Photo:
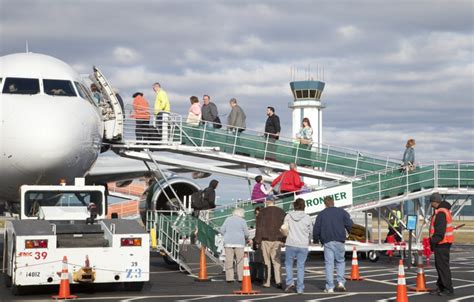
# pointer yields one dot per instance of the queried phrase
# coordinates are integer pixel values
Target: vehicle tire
(8, 281)
(373, 256)
(133, 286)
(168, 260)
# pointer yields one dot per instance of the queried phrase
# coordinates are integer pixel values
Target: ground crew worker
(394, 217)
(161, 111)
(441, 238)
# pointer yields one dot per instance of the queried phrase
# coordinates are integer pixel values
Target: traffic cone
(64, 291)
(355, 267)
(246, 281)
(202, 277)
(402, 286)
(420, 277)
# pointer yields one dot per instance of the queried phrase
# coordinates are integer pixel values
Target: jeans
(334, 252)
(300, 254)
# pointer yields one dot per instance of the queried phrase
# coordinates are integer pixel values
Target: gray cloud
(392, 70)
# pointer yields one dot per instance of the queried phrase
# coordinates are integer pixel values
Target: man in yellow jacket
(161, 111)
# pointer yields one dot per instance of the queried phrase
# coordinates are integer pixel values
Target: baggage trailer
(70, 221)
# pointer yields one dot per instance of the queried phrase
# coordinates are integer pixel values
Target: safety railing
(252, 143)
(144, 128)
(263, 146)
(395, 182)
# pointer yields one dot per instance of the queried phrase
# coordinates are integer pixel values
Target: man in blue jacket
(330, 229)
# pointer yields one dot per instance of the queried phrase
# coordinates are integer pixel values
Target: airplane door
(112, 111)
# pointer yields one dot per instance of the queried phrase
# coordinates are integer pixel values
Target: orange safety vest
(449, 233)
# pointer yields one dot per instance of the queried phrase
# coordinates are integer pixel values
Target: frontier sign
(342, 196)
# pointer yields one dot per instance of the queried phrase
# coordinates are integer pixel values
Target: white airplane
(52, 129)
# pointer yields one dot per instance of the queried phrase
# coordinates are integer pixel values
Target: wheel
(373, 256)
(133, 286)
(8, 281)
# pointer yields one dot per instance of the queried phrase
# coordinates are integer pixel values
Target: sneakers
(340, 288)
(290, 288)
(329, 291)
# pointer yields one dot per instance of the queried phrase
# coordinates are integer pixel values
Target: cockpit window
(83, 92)
(58, 88)
(21, 86)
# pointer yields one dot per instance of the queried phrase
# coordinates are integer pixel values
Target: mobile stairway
(237, 152)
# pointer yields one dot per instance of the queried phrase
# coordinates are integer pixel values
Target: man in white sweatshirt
(299, 236)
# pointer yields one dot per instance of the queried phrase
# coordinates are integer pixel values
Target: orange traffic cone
(355, 267)
(64, 291)
(420, 277)
(402, 286)
(202, 277)
(246, 281)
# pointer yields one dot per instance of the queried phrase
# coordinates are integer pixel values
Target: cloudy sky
(393, 69)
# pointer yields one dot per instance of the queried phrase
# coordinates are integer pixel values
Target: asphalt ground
(380, 281)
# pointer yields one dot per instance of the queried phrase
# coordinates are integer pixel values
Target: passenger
(141, 114)
(290, 181)
(272, 133)
(161, 112)
(194, 112)
(210, 115)
(260, 192)
(269, 238)
(394, 218)
(299, 236)
(208, 201)
(441, 239)
(257, 267)
(330, 229)
(305, 138)
(96, 94)
(236, 118)
(409, 156)
(236, 234)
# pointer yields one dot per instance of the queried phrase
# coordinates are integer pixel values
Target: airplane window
(21, 86)
(58, 88)
(84, 93)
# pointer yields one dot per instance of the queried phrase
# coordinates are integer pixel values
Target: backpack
(198, 201)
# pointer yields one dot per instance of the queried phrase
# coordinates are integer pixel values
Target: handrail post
(203, 134)
(459, 174)
(435, 174)
(266, 148)
(296, 155)
(380, 188)
(235, 140)
(407, 182)
(327, 158)
(357, 164)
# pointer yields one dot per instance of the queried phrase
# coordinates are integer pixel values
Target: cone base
(67, 297)
(414, 289)
(354, 279)
(202, 280)
(253, 292)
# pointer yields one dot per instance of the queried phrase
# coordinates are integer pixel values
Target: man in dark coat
(269, 238)
(272, 132)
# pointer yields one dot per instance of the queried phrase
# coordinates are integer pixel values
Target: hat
(435, 197)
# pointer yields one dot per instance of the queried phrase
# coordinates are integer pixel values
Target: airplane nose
(54, 139)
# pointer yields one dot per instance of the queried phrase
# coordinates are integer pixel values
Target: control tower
(307, 103)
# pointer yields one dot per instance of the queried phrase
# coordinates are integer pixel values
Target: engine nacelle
(161, 197)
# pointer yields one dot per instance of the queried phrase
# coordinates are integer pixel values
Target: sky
(393, 69)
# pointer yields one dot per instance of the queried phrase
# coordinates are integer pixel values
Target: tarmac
(167, 283)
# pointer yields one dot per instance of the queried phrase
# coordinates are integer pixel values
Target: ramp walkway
(250, 148)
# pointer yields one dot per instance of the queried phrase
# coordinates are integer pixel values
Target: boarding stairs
(241, 151)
